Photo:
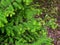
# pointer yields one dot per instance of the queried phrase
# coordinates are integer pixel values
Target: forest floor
(53, 8)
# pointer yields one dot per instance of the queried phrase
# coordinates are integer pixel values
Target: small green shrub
(18, 25)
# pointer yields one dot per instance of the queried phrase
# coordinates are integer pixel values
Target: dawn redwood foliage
(19, 25)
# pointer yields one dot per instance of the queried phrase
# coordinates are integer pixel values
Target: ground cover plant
(21, 24)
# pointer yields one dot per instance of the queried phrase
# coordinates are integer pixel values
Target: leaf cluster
(18, 25)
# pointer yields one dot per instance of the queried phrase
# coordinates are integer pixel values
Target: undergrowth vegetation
(20, 25)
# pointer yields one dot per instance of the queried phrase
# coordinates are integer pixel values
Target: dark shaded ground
(52, 7)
